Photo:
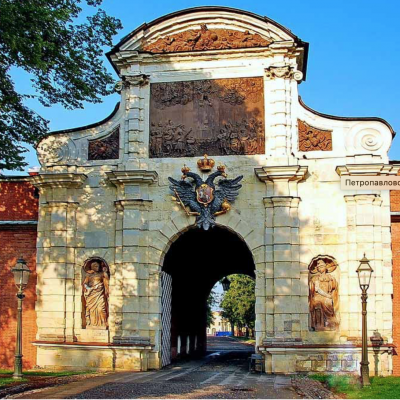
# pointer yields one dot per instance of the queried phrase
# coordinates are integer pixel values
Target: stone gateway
(124, 270)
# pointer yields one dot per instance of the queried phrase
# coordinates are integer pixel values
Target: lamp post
(364, 272)
(21, 274)
(225, 284)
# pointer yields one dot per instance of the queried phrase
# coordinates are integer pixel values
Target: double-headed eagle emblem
(203, 199)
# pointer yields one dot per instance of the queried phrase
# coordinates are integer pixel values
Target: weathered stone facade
(289, 210)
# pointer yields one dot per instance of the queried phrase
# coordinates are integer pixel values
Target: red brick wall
(17, 202)
(395, 207)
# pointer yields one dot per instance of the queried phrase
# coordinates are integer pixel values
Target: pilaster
(279, 83)
(282, 275)
(56, 256)
(136, 91)
(368, 232)
(135, 312)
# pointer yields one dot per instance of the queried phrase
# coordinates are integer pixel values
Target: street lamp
(21, 274)
(225, 284)
(364, 272)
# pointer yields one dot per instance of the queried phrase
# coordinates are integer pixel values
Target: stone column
(280, 81)
(136, 91)
(57, 297)
(282, 273)
(364, 226)
(136, 308)
(368, 231)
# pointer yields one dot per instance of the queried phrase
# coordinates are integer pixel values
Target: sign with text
(370, 182)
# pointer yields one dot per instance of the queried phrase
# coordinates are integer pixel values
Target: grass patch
(381, 387)
(8, 381)
(45, 373)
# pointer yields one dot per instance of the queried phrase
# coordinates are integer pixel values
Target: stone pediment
(207, 39)
(203, 29)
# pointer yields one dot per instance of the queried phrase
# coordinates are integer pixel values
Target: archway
(193, 264)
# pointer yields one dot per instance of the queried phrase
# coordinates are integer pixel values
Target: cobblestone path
(222, 374)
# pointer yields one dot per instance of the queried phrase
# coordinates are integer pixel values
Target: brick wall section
(395, 207)
(17, 203)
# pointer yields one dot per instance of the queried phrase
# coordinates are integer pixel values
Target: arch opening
(194, 263)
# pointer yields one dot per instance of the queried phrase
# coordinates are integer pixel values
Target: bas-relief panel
(206, 39)
(313, 139)
(214, 117)
(106, 148)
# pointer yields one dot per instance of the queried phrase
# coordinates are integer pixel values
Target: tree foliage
(238, 303)
(212, 301)
(62, 57)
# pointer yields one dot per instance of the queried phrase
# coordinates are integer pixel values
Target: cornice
(133, 204)
(132, 177)
(281, 173)
(367, 169)
(339, 118)
(58, 180)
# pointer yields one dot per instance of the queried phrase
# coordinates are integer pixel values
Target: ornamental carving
(313, 139)
(95, 290)
(323, 294)
(207, 92)
(206, 39)
(56, 149)
(285, 72)
(131, 80)
(171, 140)
(214, 117)
(202, 198)
(106, 148)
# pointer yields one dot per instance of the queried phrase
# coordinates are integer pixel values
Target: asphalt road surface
(223, 373)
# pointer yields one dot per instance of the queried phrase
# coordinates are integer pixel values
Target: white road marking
(241, 381)
(211, 378)
(227, 380)
(181, 374)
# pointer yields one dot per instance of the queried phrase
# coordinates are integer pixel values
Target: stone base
(93, 335)
(289, 359)
(90, 356)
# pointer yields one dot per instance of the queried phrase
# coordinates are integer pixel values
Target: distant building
(220, 324)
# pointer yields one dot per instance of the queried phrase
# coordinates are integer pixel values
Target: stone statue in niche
(95, 289)
(323, 294)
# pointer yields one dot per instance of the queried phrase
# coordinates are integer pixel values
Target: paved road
(222, 374)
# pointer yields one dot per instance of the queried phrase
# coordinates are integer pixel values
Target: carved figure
(106, 148)
(312, 139)
(203, 199)
(168, 139)
(323, 294)
(95, 288)
(230, 91)
(205, 39)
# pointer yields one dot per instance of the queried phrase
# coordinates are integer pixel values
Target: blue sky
(352, 66)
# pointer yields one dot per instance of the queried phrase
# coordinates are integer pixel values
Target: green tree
(212, 301)
(238, 303)
(62, 57)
